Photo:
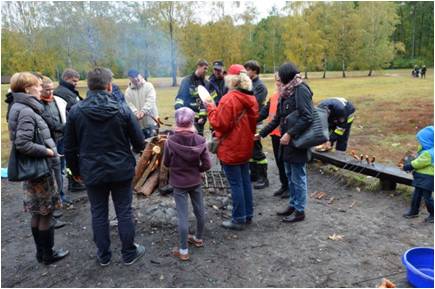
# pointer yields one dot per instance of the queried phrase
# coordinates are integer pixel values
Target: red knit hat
(236, 69)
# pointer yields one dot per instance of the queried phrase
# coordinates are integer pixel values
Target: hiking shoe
(410, 215)
(296, 217)
(285, 194)
(286, 212)
(104, 263)
(232, 226)
(280, 191)
(140, 251)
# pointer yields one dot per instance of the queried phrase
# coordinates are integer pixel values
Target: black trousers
(279, 161)
(258, 155)
(341, 143)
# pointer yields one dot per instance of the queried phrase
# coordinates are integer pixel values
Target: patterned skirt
(41, 196)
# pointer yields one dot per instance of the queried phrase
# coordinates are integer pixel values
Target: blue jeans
(241, 192)
(121, 197)
(297, 183)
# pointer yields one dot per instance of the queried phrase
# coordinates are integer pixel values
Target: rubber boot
(74, 186)
(253, 170)
(35, 233)
(49, 255)
(262, 182)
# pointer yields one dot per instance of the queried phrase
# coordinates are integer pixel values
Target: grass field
(391, 107)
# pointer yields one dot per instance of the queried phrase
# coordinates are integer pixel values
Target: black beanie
(287, 72)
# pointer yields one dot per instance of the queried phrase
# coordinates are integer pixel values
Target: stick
(151, 183)
(353, 204)
(148, 171)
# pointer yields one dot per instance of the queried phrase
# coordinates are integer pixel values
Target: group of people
(419, 72)
(236, 110)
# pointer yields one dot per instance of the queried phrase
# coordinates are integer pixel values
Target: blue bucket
(419, 266)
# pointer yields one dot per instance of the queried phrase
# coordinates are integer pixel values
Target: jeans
(279, 161)
(297, 183)
(121, 197)
(241, 192)
(418, 194)
(180, 196)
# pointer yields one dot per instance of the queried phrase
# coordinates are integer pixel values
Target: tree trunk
(306, 74)
(413, 30)
(370, 72)
(325, 61)
(343, 66)
(173, 55)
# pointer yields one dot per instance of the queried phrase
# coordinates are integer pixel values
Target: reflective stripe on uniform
(262, 162)
(350, 118)
(179, 101)
(339, 131)
(214, 94)
(68, 171)
(202, 113)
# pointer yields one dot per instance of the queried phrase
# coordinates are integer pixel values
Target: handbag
(23, 167)
(317, 133)
(214, 143)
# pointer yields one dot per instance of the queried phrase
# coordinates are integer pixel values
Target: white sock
(183, 251)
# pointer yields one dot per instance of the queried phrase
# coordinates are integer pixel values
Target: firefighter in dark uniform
(217, 80)
(188, 94)
(341, 114)
(258, 163)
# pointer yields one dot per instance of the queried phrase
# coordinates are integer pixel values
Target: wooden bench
(389, 176)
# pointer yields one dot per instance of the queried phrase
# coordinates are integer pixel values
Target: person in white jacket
(140, 96)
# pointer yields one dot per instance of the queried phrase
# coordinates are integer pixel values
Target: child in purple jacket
(186, 156)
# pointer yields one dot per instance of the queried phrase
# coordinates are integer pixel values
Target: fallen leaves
(385, 283)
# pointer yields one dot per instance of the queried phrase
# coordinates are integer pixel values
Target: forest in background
(167, 38)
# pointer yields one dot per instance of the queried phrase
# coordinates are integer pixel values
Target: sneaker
(429, 219)
(197, 243)
(183, 257)
(104, 264)
(140, 251)
(232, 226)
(410, 215)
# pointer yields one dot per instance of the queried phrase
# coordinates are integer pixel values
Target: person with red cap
(234, 121)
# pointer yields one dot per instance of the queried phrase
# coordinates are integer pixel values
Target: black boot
(49, 255)
(287, 212)
(286, 194)
(35, 233)
(253, 171)
(262, 182)
(296, 217)
(280, 191)
(74, 186)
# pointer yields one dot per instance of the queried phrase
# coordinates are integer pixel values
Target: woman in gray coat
(41, 195)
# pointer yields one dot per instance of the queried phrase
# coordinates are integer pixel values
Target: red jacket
(236, 147)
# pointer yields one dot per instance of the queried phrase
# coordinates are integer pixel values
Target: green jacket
(423, 163)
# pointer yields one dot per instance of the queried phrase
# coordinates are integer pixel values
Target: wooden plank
(378, 170)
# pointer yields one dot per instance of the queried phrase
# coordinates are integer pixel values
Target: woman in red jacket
(234, 122)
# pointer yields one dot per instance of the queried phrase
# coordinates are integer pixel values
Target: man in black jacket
(217, 80)
(98, 136)
(340, 118)
(258, 163)
(67, 91)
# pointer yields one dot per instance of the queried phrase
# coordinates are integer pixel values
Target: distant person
(341, 113)
(217, 80)
(68, 92)
(268, 112)
(41, 196)
(186, 156)
(187, 95)
(423, 71)
(423, 172)
(258, 163)
(295, 95)
(234, 121)
(416, 71)
(140, 96)
(99, 135)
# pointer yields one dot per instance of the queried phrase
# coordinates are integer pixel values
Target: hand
(328, 145)
(285, 139)
(257, 137)
(78, 179)
(141, 114)
(50, 152)
(200, 121)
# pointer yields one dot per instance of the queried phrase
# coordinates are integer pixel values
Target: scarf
(289, 88)
(48, 98)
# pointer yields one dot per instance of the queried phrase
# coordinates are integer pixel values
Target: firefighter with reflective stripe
(187, 95)
(258, 163)
(217, 81)
(341, 114)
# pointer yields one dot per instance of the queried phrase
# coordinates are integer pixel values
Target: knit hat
(236, 69)
(133, 73)
(184, 117)
(287, 72)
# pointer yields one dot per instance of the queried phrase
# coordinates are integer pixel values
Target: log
(143, 162)
(150, 185)
(163, 173)
(149, 169)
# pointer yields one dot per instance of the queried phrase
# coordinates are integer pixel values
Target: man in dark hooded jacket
(98, 136)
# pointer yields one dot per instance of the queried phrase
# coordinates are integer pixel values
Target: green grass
(391, 107)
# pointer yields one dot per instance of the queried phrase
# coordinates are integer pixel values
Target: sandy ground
(266, 254)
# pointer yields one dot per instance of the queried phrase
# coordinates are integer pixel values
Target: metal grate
(215, 182)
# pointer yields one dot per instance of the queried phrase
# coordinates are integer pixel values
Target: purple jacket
(186, 156)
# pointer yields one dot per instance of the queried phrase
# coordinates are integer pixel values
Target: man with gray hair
(99, 134)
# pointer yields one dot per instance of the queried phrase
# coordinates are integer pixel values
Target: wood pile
(150, 173)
